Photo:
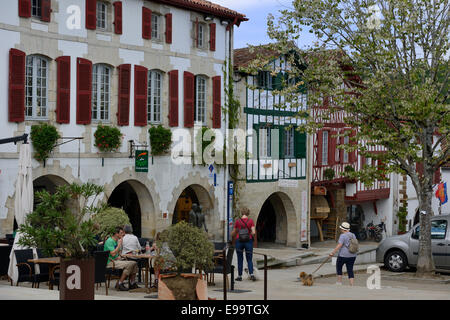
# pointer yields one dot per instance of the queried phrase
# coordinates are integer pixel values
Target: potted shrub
(107, 139)
(328, 174)
(43, 137)
(189, 247)
(160, 140)
(108, 219)
(61, 224)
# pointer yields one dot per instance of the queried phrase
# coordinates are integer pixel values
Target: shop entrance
(266, 224)
(184, 205)
(125, 197)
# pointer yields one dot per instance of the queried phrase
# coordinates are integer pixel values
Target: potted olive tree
(108, 219)
(61, 226)
(182, 247)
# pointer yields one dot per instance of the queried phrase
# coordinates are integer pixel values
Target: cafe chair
(113, 273)
(25, 268)
(101, 261)
(43, 275)
(218, 266)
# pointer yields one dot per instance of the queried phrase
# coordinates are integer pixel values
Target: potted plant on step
(182, 247)
(61, 225)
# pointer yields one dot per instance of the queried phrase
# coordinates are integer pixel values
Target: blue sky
(254, 31)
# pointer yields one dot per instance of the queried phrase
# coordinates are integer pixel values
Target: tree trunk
(425, 263)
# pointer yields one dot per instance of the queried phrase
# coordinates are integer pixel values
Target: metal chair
(25, 268)
(219, 265)
(101, 261)
(43, 275)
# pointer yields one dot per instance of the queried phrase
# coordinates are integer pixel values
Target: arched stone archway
(137, 201)
(272, 220)
(205, 194)
(192, 194)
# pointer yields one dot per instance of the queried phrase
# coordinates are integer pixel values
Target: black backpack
(244, 235)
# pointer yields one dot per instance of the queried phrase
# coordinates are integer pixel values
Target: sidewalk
(283, 284)
(282, 256)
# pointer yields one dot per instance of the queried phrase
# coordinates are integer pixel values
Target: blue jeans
(248, 247)
(349, 262)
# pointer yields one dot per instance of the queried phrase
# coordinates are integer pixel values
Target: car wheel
(395, 261)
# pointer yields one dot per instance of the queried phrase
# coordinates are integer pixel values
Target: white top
(130, 244)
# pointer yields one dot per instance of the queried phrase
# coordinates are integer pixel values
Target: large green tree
(392, 56)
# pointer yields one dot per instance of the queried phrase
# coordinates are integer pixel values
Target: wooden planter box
(77, 279)
(200, 288)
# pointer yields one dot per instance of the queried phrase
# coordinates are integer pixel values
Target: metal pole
(224, 274)
(265, 277)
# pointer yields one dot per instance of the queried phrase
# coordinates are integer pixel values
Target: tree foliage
(62, 221)
(384, 64)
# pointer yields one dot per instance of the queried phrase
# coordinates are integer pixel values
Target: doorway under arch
(125, 197)
(271, 225)
(190, 195)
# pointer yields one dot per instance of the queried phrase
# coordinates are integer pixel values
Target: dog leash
(321, 265)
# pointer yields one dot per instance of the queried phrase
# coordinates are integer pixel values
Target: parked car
(399, 252)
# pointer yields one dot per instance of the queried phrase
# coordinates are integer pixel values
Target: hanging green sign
(141, 161)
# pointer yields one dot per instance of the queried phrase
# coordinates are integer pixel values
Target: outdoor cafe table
(146, 258)
(53, 263)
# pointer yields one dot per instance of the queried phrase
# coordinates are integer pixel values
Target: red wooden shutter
(16, 103)
(169, 28)
(118, 17)
(331, 148)
(319, 147)
(25, 8)
(91, 14)
(146, 23)
(140, 95)
(212, 36)
(63, 90)
(123, 110)
(84, 91)
(217, 112)
(173, 98)
(46, 10)
(189, 93)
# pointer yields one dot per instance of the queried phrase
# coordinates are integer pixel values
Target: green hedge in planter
(43, 137)
(160, 140)
(107, 139)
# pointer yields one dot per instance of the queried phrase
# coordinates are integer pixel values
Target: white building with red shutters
(128, 64)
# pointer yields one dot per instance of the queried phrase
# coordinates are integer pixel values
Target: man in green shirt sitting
(114, 246)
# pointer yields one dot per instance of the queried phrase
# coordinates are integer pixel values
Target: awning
(319, 207)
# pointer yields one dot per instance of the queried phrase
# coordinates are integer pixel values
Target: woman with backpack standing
(245, 232)
(348, 248)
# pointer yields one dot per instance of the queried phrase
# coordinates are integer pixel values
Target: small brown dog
(307, 279)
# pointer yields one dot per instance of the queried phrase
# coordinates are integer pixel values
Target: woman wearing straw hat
(344, 255)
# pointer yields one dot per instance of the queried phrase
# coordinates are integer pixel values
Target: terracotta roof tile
(206, 7)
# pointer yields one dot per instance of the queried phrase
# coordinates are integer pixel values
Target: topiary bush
(107, 139)
(43, 137)
(189, 245)
(160, 140)
(108, 219)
